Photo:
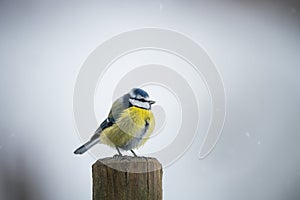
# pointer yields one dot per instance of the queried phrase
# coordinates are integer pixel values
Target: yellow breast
(131, 130)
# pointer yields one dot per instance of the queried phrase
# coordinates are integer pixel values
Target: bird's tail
(82, 149)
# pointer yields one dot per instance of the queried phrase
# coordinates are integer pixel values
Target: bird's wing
(96, 137)
(106, 123)
(114, 113)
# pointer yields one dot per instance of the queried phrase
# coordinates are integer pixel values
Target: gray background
(255, 46)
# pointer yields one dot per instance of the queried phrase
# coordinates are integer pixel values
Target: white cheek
(140, 104)
(131, 101)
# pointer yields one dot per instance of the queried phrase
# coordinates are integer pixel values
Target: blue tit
(128, 126)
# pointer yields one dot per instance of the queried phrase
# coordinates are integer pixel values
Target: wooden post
(127, 178)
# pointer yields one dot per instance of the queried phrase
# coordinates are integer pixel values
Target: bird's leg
(133, 153)
(119, 151)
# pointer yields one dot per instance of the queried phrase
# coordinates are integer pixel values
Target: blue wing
(117, 108)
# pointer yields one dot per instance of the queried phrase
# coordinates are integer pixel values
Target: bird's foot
(119, 152)
(118, 156)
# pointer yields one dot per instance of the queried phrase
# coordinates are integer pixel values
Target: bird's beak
(151, 102)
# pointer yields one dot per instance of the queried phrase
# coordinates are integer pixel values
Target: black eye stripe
(142, 100)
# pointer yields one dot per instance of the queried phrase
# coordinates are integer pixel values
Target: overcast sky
(254, 45)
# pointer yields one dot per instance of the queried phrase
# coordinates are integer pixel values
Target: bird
(128, 125)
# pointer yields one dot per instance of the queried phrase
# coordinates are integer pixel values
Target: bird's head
(140, 98)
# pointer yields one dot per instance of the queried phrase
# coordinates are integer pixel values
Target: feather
(82, 149)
